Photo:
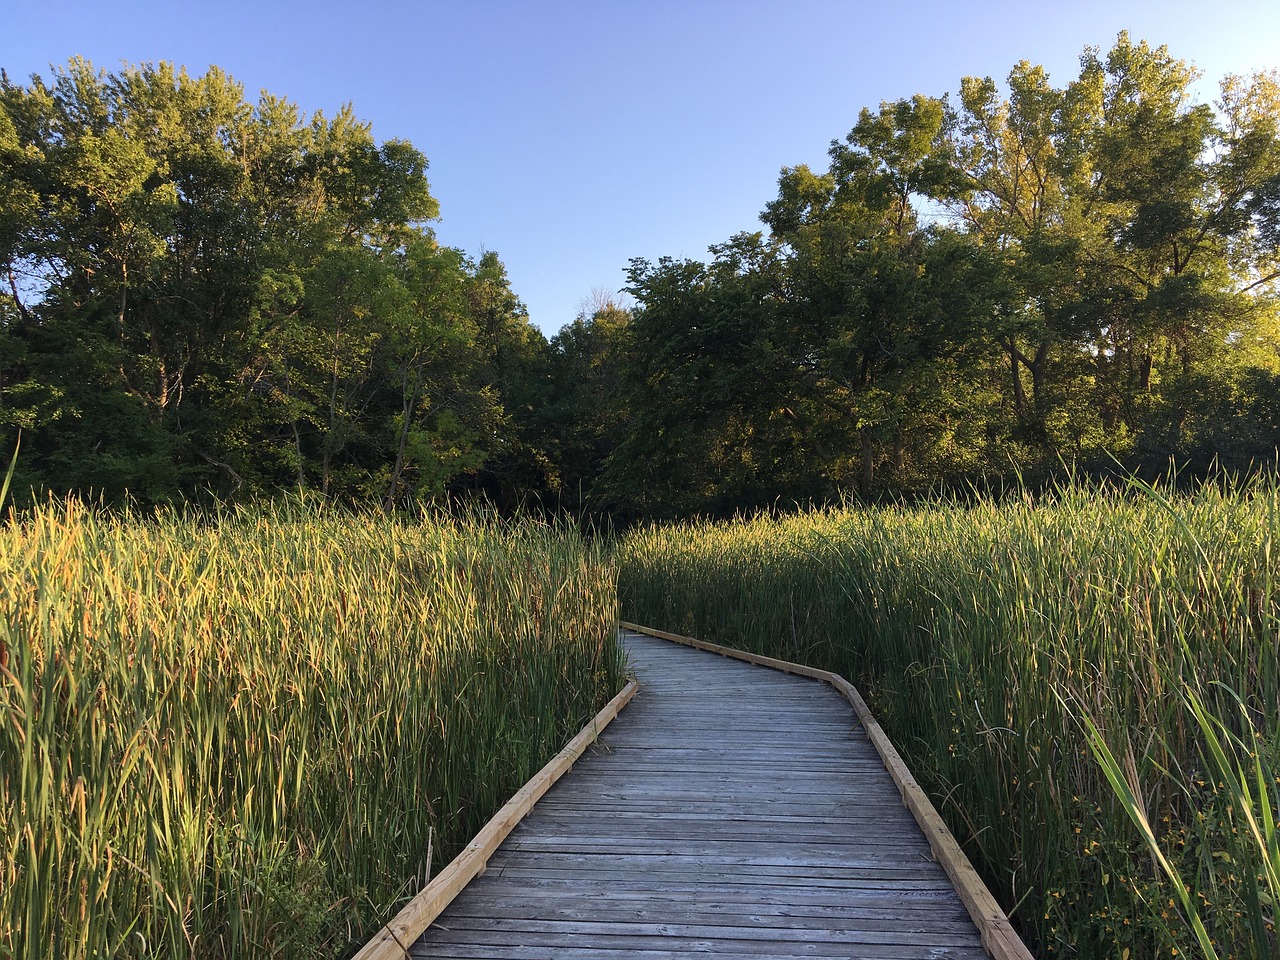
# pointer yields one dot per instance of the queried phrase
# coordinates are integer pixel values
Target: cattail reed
(1011, 648)
(240, 735)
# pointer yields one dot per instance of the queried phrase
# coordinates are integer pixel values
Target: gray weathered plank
(730, 810)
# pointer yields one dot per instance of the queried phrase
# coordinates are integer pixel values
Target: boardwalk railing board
(998, 936)
(392, 942)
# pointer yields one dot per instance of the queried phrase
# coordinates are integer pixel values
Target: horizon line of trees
(1084, 275)
(208, 298)
(212, 298)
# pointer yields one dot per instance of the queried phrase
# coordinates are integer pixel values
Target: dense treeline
(208, 295)
(1056, 275)
(212, 296)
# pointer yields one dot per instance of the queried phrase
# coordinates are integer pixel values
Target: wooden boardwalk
(729, 810)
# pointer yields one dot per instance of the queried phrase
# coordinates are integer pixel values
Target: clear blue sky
(572, 136)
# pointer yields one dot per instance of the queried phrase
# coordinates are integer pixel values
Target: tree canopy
(1013, 281)
(208, 297)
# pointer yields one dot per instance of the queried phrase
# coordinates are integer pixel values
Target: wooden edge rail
(393, 941)
(998, 936)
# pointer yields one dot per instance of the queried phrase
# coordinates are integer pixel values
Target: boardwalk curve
(729, 811)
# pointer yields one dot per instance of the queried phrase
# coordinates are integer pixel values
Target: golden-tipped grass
(1011, 648)
(253, 735)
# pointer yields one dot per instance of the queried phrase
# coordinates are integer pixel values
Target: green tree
(718, 415)
(207, 293)
(516, 373)
(892, 310)
(1133, 222)
(586, 416)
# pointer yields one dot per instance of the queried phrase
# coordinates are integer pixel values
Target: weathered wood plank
(998, 936)
(732, 811)
(508, 929)
(713, 887)
(683, 951)
(517, 944)
(391, 941)
(575, 890)
(649, 829)
(653, 908)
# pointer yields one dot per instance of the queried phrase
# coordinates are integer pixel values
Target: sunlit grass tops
(252, 734)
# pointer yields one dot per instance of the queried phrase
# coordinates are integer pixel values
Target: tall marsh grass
(253, 735)
(1057, 673)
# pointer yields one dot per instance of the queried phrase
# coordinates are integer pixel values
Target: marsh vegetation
(1069, 678)
(254, 734)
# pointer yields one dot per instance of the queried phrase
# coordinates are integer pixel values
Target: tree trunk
(297, 449)
(327, 455)
(1038, 380)
(1019, 392)
(868, 464)
(410, 404)
(22, 310)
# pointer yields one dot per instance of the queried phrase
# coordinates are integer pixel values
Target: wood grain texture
(392, 941)
(729, 811)
(998, 936)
